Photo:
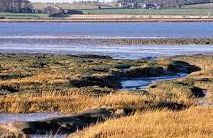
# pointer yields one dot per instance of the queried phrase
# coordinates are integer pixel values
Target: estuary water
(7, 118)
(142, 83)
(115, 51)
(108, 30)
(71, 38)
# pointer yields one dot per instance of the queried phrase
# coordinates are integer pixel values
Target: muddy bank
(108, 40)
(125, 74)
(110, 81)
(161, 41)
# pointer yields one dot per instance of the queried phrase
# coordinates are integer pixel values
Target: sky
(66, 0)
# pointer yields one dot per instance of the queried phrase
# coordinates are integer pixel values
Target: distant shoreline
(104, 21)
(120, 18)
(130, 41)
(162, 41)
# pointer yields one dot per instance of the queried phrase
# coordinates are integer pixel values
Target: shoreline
(125, 41)
(105, 21)
(119, 18)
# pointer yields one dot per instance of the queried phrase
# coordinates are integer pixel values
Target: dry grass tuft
(191, 123)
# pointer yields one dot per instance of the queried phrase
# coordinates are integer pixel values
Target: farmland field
(151, 12)
(200, 6)
(20, 16)
(42, 6)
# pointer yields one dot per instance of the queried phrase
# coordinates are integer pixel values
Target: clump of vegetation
(193, 122)
(83, 82)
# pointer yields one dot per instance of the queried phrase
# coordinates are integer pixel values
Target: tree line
(15, 6)
(169, 3)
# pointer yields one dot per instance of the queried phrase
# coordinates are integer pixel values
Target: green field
(152, 12)
(200, 6)
(41, 6)
(8, 15)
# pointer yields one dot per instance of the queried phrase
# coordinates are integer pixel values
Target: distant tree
(167, 3)
(15, 5)
(4, 5)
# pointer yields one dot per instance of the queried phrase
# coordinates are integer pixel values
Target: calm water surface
(130, 30)
(7, 117)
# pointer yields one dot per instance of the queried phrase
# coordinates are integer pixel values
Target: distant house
(38, 11)
(151, 6)
(123, 4)
(156, 4)
(167, 3)
(136, 4)
(54, 11)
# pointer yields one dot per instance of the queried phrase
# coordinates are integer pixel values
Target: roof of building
(52, 9)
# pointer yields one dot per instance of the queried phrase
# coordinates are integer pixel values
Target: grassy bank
(191, 123)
